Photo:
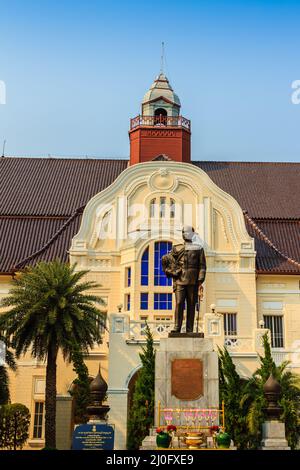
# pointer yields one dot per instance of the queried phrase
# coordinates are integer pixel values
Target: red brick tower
(160, 132)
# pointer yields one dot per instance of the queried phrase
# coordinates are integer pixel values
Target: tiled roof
(277, 243)
(25, 240)
(41, 201)
(53, 186)
(264, 190)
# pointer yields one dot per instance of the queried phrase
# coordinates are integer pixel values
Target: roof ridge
(247, 162)
(266, 239)
(52, 239)
(93, 158)
(276, 219)
(62, 157)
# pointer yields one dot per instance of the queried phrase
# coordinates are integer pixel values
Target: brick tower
(160, 132)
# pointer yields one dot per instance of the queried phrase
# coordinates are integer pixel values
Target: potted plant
(164, 438)
(223, 440)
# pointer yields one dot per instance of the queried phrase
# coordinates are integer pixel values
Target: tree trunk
(50, 402)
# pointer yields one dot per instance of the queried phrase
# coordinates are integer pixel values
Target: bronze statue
(186, 265)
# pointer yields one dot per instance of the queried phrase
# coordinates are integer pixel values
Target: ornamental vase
(163, 439)
(223, 440)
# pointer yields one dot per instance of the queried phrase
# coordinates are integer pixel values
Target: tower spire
(162, 57)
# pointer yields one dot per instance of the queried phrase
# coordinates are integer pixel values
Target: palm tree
(50, 311)
(4, 379)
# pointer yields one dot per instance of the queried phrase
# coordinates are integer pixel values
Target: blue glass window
(127, 297)
(160, 249)
(144, 301)
(128, 277)
(145, 268)
(162, 301)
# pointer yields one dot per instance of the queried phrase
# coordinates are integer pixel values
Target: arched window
(152, 208)
(160, 117)
(160, 249)
(162, 207)
(172, 208)
(145, 268)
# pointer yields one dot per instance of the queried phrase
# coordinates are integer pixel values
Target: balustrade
(160, 121)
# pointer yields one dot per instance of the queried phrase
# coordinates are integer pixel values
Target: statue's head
(188, 233)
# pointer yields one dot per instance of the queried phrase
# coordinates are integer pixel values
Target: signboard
(93, 437)
(187, 379)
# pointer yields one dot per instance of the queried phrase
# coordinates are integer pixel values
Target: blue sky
(76, 71)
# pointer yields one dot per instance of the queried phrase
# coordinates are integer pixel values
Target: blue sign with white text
(93, 437)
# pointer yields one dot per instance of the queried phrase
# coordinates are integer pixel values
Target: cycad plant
(50, 310)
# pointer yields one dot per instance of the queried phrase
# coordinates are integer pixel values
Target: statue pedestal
(273, 436)
(186, 374)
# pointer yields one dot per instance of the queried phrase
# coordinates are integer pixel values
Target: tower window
(145, 268)
(161, 249)
(160, 117)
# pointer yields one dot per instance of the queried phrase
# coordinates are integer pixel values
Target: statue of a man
(186, 264)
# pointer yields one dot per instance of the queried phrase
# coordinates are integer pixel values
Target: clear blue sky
(76, 71)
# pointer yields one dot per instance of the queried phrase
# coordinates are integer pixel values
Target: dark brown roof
(41, 201)
(46, 186)
(277, 243)
(264, 190)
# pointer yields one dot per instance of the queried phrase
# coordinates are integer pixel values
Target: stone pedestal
(273, 436)
(186, 374)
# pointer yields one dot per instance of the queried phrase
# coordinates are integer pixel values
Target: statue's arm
(202, 272)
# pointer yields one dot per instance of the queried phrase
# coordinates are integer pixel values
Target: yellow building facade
(120, 232)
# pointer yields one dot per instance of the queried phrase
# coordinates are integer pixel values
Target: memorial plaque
(93, 437)
(187, 379)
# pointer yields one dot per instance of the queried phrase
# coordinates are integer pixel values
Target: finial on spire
(162, 57)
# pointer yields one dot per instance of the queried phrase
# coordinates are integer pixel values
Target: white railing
(159, 329)
(280, 356)
(239, 343)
